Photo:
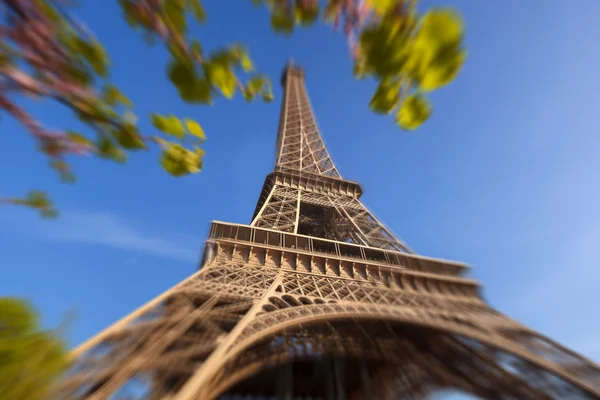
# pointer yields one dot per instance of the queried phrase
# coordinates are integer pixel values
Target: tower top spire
(299, 144)
(291, 69)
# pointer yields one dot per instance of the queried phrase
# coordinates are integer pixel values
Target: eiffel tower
(317, 299)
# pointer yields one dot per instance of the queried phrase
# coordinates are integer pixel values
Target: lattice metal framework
(317, 298)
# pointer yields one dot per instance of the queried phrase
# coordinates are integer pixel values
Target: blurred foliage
(45, 53)
(31, 359)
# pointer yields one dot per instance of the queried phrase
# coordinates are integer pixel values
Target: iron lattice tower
(318, 299)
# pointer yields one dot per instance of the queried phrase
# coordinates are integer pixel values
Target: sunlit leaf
(442, 70)
(194, 128)
(221, 76)
(414, 111)
(179, 161)
(169, 124)
(437, 55)
(246, 63)
(441, 27)
(382, 7)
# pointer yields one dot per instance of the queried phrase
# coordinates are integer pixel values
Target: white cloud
(104, 229)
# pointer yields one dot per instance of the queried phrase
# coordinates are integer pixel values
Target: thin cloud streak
(104, 229)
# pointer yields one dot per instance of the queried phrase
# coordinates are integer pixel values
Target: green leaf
(221, 76)
(306, 13)
(179, 161)
(246, 63)
(248, 95)
(175, 16)
(78, 138)
(437, 56)
(282, 23)
(107, 149)
(414, 111)
(194, 128)
(113, 96)
(32, 358)
(128, 137)
(38, 200)
(442, 70)
(48, 10)
(94, 54)
(196, 48)
(382, 7)
(440, 28)
(383, 49)
(181, 74)
(267, 96)
(386, 97)
(191, 88)
(17, 316)
(129, 12)
(198, 10)
(78, 73)
(256, 83)
(169, 124)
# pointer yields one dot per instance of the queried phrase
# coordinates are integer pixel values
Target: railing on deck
(251, 234)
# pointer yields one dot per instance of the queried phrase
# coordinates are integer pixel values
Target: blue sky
(503, 177)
